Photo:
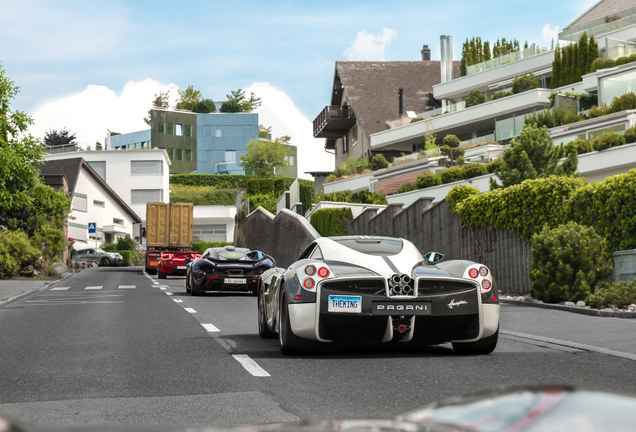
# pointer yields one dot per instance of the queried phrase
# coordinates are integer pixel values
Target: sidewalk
(14, 289)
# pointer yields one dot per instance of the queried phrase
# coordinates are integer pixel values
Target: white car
(361, 290)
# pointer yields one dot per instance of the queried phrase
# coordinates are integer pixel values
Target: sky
(93, 66)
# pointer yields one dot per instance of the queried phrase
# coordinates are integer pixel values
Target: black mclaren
(227, 269)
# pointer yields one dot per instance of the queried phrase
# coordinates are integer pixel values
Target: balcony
(333, 122)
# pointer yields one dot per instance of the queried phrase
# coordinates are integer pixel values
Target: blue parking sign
(92, 227)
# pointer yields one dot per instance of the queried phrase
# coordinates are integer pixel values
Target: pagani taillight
(473, 273)
(310, 270)
(310, 275)
(323, 272)
(308, 283)
(482, 276)
(483, 270)
(486, 284)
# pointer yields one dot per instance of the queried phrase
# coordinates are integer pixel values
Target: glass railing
(619, 48)
(483, 138)
(601, 25)
(508, 58)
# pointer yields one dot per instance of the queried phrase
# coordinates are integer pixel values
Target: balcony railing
(333, 121)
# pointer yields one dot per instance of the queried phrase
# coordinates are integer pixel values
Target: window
(178, 154)
(118, 221)
(178, 129)
(210, 232)
(218, 133)
(316, 254)
(290, 160)
(187, 155)
(99, 167)
(142, 196)
(169, 128)
(80, 202)
(101, 204)
(354, 134)
(345, 145)
(187, 130)
(161, 127)
(230, 155)
(146, 167)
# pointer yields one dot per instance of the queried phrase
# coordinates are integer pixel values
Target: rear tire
(482, 346)
(105, 262)
(187, 284)
(289, 342)
(263, 329)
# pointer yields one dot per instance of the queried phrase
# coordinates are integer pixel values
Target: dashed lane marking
(169, 293)
(177, 300)
(210, 328)
(59, 289)
(95, 287)
(190, 310)
(250, 365)
(127, 287)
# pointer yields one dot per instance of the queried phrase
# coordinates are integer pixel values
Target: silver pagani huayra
(367, 290)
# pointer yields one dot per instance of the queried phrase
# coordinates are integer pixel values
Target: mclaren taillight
(323, 272)
(473, 273)
(486, 284)
(310, 270)
(308, 283)
(483, 271)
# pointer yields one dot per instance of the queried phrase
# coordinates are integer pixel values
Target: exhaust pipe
(400, 285)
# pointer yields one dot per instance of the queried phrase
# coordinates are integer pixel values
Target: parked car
(102, 257)
(361, 290)
(227, 269)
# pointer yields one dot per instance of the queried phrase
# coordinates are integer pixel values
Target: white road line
(571, 344)
(162, 288)
(155, 282)
(177, 300)
(210, 327)
(250, 365)
(96, 287)
(190, 310)
(169, 293)
(59, 289)
(127, 287)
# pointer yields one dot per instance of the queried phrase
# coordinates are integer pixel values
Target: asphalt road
(118, 347)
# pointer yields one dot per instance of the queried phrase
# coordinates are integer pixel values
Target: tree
(264, 156)
(475, 98)
(525, 82)
(237, 101)
(161, 101)
(532, 155)
(450, 149)
(54, 138)
(191, 100)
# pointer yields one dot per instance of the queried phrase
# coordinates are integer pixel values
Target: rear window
(373, 246)
(231, 255)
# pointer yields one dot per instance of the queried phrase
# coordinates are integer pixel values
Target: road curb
(579, 310)
(33, 291)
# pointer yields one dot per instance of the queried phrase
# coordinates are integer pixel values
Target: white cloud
(90, 113)
(550, 33)
(279, 111)
(370, 47)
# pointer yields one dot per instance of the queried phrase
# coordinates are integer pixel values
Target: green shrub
(253, 187)
(427, 180)
(332, 222)
(602, 63)
(474, 170)
(16, 252)
(126, 257)
(525, 82)
(581, 146)
(50, 241)
(458, 194)
(607, 140)
(267, 186)
(621, 60)
(567, 263)
(475, 97)
(306, 195)
(630, 135)
(619, 294)
(378, 161)
(632, 57)
(279, 186)
(608, 206)
(109, 247)
(495, 165)
(126, 244)
(203, 195)
(407, 187)
(452, 174)
(200, 246)
(501, 94)
(268, 202)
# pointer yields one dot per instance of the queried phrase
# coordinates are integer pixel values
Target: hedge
(332, 222)
(524, 209)
(618, 294)
(16, 252)
(200, 246)
(225, 180)
(607, 140)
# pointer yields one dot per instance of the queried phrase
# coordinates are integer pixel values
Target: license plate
(401, 308)
(181, 267)
(350, 304)
(153, 263)
(235, 280)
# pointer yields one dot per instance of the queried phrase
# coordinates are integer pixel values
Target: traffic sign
(92, 227)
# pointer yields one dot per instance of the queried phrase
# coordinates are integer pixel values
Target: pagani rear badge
(453, 303)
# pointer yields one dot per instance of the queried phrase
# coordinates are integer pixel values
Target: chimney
(426, 53)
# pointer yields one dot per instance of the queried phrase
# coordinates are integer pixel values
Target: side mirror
(433, 257)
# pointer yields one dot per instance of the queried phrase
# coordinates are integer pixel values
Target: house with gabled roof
(93, 203)
(367, 94)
